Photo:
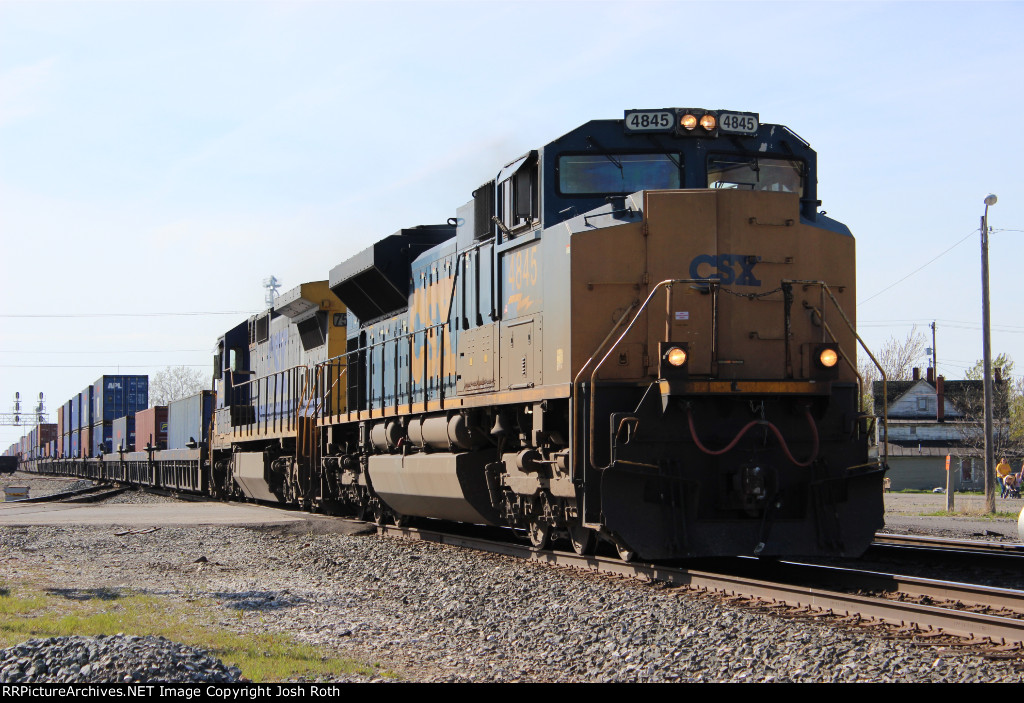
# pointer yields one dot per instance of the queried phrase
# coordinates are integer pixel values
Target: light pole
(986, 324)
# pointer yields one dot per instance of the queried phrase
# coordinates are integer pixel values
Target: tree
(1008, 433)
(175, 382)
(1003, 362)
(896, 357)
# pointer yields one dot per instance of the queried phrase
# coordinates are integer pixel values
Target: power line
(928, 263)
(95, 366)
(115, 351)
(971, 234)
(128, 314)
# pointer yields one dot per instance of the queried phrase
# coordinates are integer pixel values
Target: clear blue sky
(165, 157)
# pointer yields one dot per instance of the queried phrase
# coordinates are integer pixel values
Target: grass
(972, 514)
(29, 613)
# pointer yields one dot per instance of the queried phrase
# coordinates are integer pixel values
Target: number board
(738, 122)
(649, 121)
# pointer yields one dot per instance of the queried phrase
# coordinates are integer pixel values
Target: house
(930, 419)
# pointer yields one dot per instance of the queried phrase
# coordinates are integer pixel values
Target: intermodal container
(75, 405)
(60, 421)
(60, 445)
(87, 410)
(151, 428)
(124, 433)
(76, 436)
(45, 433)
(102, 438)
(85, 442)
(118, 396)
(188, 419)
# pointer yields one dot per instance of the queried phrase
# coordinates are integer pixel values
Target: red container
(85, 442)
(151, 428)
(45, 433)
(61, 429)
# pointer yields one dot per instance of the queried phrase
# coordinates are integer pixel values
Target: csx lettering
(730, 269)
(522, 268)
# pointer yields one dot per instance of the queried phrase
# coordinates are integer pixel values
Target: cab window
(756, 173)
(617, 174)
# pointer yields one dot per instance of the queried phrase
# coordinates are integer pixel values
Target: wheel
(402, 520)
(379, 514)
(584, 539)
(625, 553)
(540, 534)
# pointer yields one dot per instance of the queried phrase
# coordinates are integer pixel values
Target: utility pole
(935, 362)
(986, 325)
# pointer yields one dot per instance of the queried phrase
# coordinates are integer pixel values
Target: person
(1003, 470)
(1012, 486)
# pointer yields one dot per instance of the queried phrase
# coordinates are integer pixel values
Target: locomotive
(640, 334)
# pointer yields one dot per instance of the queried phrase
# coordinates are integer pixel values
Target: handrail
(593, 376)
(445, 324)
(639, 309)
(885, 395)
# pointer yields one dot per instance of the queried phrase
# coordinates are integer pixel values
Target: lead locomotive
(641, 333)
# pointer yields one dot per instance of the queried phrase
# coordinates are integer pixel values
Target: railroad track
(1005, 556)
(91, 494)
(927, 607)
(956, 545)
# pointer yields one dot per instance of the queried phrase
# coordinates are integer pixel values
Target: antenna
(271, 284)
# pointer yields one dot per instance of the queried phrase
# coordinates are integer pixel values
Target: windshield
(617, 174)
(756, 173)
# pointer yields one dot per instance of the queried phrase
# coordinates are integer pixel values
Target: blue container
(76, 413)
(74, 445)
(87, 414)
(102, 438)
(188, 419)
(118, 396)
(124, 433)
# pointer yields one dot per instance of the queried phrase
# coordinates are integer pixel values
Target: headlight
(708, 123)
(828, 357)
(673, 364)
(676, 356)
(688, 122)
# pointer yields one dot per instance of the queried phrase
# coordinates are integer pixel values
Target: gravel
(115, 659)
(435, 613)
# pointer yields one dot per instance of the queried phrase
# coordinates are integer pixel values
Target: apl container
(151, 428)
(188, 420)
(119, 396)
(124, 433)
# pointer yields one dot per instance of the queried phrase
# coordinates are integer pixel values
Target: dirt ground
(908, 513)
(905, 513)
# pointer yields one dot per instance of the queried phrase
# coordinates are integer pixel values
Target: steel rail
(55, 497)
(952, 544)
(914, 586)
(960, 623)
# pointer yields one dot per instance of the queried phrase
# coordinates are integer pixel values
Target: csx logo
(727, 268)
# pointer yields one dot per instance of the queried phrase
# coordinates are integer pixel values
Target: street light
(990, 489)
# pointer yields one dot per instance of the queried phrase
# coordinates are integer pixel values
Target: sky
(158, 160)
